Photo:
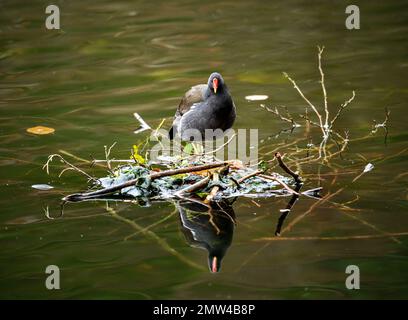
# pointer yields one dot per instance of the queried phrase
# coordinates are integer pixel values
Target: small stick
(326, 110)
(194, 187)
(214, 190)
(216, 178)
(172, 172)
(250, 175)
(221, 146)
(343, 106)
(311, 105)
(277, 113)
(286, 168)
(71, 166)
(113, 161)
(143, 125)
(107, 155)
(283, 184)
(382, 125)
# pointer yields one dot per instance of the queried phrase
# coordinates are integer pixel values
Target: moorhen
(204, 106)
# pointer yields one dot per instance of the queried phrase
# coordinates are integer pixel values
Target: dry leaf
(40, 130)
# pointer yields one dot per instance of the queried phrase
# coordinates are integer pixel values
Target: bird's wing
(192, 96)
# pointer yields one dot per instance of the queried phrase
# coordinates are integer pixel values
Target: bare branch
(289, 118)
(286, 168)
(342, 107)
(326, 110)
(143, 125)
(70, 165)
(311, 105)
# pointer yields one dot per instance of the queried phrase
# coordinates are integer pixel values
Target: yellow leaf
(136, 156)
(40, 130)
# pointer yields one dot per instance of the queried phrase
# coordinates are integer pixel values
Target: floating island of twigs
(210, 181)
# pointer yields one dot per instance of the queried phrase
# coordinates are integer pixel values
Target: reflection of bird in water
(209, 227)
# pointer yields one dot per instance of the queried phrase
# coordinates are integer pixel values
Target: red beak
(215, 84)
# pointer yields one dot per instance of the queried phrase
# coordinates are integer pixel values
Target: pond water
(113, 58)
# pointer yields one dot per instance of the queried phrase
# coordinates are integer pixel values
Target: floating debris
(40, 130)
(257, 97)
(368, 167)
(42, 187)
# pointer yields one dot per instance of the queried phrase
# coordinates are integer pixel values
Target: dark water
(113, 58)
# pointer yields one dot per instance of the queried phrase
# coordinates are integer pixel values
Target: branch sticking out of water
(311, 105)
(107, 156)
(70, 167)
(288, 117)
(286, 168)
(342, 107)
(323, 116)
(383, 125)
(143, 125)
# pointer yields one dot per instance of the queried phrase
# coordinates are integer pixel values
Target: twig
(286, 168)
(203, 154)
(250, 175)
(326, 110)
(382, 125)
(194, 187)
(156, 131)
(283, 184)
(70, 165)
(342, 107)
(276, 112)
(311, 105)
(172, 172)
(309, 121)
(113, 161)
(215, 189)
(143, 125)
(222, 146)
(325, 127)
(107, 155)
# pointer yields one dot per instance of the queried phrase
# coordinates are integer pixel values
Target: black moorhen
(204, 106)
